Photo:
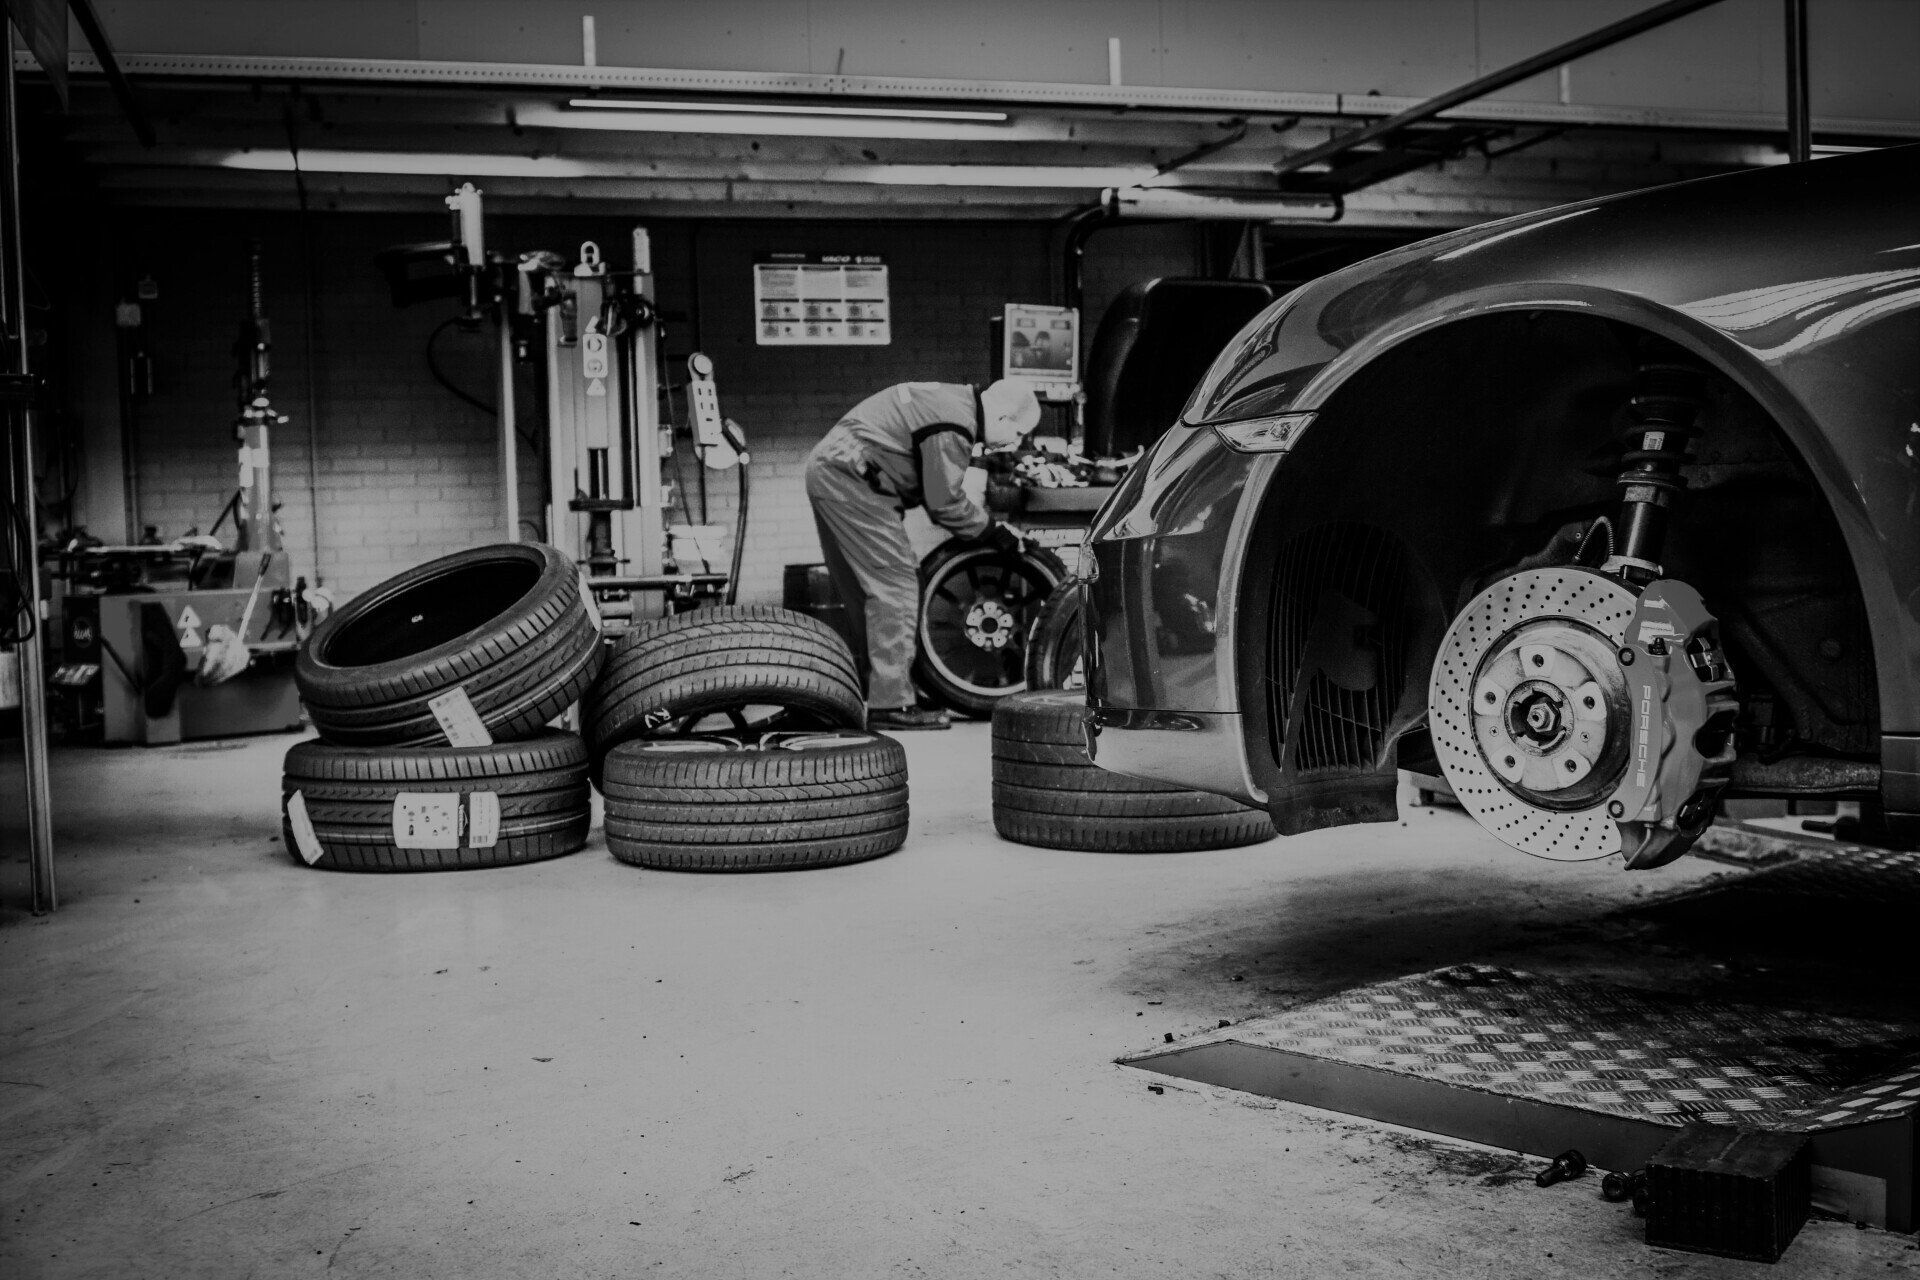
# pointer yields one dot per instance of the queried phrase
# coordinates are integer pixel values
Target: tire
(1047, 793)
(505, 623)
(349, 792)
(712, 804)
(732, 668)
(970, 663)
(1055, 648)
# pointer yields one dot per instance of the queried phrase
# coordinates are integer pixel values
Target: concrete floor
(214, 1062)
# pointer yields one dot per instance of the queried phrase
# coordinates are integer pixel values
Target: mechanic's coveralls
(906, 446)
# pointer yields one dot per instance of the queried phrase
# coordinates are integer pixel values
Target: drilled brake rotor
(1529, 711)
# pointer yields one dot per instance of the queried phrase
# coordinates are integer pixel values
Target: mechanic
(906, 446)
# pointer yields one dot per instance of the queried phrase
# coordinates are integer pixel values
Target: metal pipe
(33, 676)
(1593, 41)
(110, 67)
(509, 428)
(1799, 110)
(655, 581)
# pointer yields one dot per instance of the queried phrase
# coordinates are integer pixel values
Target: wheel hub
(1548, 702)
(1575, 718)
(989, 624)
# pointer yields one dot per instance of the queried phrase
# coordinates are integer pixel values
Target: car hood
(1777, 259)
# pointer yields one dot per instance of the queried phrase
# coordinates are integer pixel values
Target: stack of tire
(1047, 792)
(734, 739)
(431, 693)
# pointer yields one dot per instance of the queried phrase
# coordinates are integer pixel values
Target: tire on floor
(706, 803)
(504, 625)
(737, 666)
(1055, 650)
(392, 808)
(1047, 793)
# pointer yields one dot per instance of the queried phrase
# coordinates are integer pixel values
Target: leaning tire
(1055, 650)
(1047, 793)
(506, 624)
(797, 800)
(348, 796)
(977, 604)
(738, 666)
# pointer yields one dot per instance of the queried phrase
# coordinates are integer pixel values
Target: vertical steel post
(33, 677)
(1799, 110)
(509, 425)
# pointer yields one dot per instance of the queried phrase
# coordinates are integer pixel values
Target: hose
(739, 537)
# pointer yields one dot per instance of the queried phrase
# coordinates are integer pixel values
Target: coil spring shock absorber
(1665, 407)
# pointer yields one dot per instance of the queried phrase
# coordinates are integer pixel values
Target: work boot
(896, 718)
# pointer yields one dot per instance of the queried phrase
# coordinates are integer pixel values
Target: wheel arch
(1334, 389)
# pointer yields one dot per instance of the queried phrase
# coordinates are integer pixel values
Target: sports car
(1603, 513)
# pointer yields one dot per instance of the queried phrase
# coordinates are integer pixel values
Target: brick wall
(405, 471)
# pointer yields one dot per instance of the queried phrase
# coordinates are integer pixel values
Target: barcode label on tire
(426, 820)
(305, 841)
(458, 720)
(483, 820)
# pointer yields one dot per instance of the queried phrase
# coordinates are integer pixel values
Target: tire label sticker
(592, 604)
(305, 841)
(458, 720)
(426, 820)
(483, 819)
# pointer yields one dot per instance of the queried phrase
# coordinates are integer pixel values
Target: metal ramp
(1539, 1064)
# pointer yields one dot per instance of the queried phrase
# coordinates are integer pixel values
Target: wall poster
(821, 300)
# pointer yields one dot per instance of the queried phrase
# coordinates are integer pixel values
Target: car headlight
(1273, 434)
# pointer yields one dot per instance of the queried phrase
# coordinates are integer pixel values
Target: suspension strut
(1666, 409)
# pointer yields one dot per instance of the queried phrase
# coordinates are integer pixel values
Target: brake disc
(1509, 708)
(1576, 719)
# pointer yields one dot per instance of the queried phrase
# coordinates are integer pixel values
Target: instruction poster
(821, 300)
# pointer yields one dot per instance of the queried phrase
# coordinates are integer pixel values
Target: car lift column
(19, 456)
(643, 526)
(604, 422)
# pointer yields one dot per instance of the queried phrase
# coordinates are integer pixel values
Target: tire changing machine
(133, 625)
(598, 333)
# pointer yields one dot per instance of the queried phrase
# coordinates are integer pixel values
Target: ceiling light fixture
(412, 162)
(544, 116)
(779, 109)
(1228, 205)
(504, 165)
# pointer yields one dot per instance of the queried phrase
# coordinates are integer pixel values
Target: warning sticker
(426, 820)
(483, 819)
(458, 720)
(305, 841)
(189, 625)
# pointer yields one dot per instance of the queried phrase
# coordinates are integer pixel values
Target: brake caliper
(1681, 750)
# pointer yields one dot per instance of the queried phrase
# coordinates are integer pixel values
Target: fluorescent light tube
(774, 109)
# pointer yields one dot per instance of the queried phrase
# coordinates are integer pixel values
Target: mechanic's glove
(1004, 537)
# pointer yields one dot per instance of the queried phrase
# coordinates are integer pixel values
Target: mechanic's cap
(1011, 411)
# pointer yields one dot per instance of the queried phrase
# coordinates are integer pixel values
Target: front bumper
(1160, 618)
(1201, 750)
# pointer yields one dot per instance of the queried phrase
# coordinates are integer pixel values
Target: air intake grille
(1340, 629)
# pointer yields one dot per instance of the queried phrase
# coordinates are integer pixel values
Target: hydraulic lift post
(19, 456)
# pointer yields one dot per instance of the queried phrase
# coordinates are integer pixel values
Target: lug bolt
(1567, 1165)
(1623, 1186)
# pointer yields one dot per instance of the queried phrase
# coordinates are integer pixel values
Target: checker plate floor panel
(1600, 1047)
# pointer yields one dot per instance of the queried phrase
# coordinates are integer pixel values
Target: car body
(1271, 583)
